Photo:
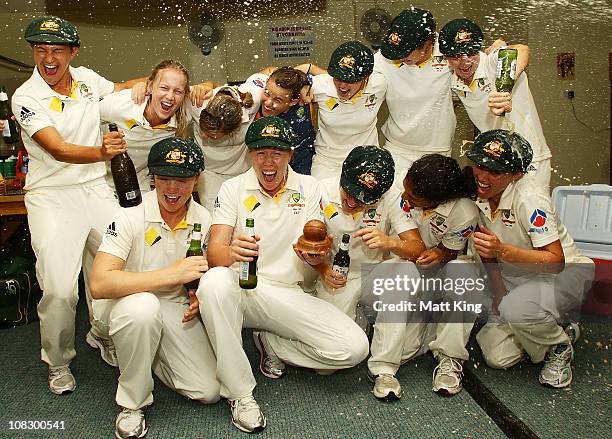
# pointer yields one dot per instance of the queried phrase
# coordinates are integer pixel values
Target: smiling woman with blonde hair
(163, 114)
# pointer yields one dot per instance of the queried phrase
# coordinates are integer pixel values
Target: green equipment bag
(19, 289)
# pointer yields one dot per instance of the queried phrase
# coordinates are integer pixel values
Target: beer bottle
(248, 270)
(342, 260)
(9, 134)
(124, 177)
(195, 249)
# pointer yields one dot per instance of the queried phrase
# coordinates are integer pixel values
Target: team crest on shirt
(464, 233)
(494, 148)
(484, 85)
(49, 25)
(258, 83)
(370, 102)
(270, 131)
(395, 39)
(463, 36)
(438, 64)
(436, 223)
(175, 156)
(347, 61)
(368, 179)
(300, 113)
(296, 201)
(85, 92)
(508, 218)
(370, 218)
(538, 222)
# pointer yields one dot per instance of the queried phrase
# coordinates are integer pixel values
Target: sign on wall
(290, 42)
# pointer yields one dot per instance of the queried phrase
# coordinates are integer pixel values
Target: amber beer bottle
(9, 134)
(195, 249)
(342, 260)
(124, 177)
(248, 270)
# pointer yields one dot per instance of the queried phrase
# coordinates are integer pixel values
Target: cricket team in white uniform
(144, 321)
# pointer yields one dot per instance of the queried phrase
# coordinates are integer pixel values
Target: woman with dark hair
(437, 196)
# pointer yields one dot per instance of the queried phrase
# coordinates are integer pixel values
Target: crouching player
(537, 274)
(137, 281)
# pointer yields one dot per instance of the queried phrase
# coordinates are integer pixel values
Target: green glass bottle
(195, 249)
(342, 260)
(506, 69)
(248, 270)
(9, 133)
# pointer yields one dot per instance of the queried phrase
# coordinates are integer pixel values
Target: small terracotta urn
(314, 239)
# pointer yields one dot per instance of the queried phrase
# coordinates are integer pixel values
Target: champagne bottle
(506, 70)
(248, 270)
(9, 133)
(124, 177)
(195, 249)
(342, 260)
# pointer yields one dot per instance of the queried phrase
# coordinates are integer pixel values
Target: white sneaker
(106, 346)
(130, 424)
(447, 376)
(61, 380)
(386, 386)
(269, 364)
(246, 414)
(557, 369)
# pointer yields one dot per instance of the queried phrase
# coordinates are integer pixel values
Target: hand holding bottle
(188, 269)
(113, 144)
(500, 103)
(334, 279)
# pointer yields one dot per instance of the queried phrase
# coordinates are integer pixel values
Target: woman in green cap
(536, 272)
(59, 113)
(349, 96)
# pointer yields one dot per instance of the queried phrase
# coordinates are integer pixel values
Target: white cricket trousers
(66, 223)
(528, 315)
(149, 334)
(300, 329)
(401, 336)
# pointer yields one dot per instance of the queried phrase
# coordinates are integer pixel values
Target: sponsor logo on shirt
(464, 233)
(217, 204)
(111, 229)
(25, 114)
(538, 221)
